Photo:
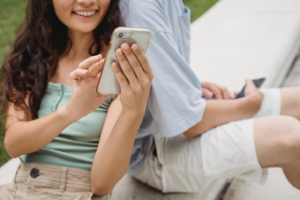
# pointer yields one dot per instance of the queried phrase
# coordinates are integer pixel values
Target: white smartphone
(108, 83)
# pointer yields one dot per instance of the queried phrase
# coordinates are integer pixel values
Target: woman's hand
(84, 79)
(136, 79)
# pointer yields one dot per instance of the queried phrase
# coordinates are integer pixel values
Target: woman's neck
(81, 43)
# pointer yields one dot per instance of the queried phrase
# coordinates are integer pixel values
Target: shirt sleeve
(175, 100)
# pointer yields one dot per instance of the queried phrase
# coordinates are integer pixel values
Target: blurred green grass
(199, 7)
(11, 14)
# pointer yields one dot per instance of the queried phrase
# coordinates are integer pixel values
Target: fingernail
(135, 47)
(125, 46)
(114, 65)
(120, 52)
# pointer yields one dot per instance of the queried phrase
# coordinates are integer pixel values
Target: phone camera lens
(121, 35)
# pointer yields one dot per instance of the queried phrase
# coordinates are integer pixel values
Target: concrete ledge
(8, 171)
(130, 188)
(240, 39)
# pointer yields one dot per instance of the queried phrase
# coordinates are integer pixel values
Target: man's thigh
(188, 164)
(229, 151)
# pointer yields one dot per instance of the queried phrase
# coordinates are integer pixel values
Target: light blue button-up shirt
(175, 101)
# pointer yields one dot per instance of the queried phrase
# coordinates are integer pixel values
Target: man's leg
(290, 98)
(277, 142)
(238, 149)
(234, 149)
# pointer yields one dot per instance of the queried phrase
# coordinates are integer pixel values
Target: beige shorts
(188, 164)
(49, 182)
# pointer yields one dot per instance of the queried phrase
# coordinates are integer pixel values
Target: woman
(54, 114)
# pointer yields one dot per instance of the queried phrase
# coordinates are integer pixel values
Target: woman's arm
(124, 118)
(114, 151)
(23, 137)
(27, 136)
(113, 113)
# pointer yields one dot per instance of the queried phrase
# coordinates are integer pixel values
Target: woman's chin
(84, 29)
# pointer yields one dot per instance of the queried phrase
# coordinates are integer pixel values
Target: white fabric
(188, 164)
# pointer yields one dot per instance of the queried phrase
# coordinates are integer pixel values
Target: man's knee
(277, 140)
(290, 139)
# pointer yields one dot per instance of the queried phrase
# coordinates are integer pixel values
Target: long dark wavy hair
(34, 57)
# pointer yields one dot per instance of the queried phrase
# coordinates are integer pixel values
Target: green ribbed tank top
(76, 145)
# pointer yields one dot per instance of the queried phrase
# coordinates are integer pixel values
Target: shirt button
(34, 173)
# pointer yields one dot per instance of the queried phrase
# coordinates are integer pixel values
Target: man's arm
(175, 100)
(219, 112)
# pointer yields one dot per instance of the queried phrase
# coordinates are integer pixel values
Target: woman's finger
(127, 69)
(78, 75)
(142, 59)
(96, 68)
(120, 76)
(133, 61)
(89, 61)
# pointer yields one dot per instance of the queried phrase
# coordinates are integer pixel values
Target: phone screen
(257, 82)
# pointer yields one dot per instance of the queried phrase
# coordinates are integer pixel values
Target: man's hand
(254, 95)
(251, 89)
(211, 90)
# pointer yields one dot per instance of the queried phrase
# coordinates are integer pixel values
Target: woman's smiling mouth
(85, 13)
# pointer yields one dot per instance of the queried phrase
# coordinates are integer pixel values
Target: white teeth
(85, 13)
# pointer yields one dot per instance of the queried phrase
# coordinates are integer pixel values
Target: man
(180, 160)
